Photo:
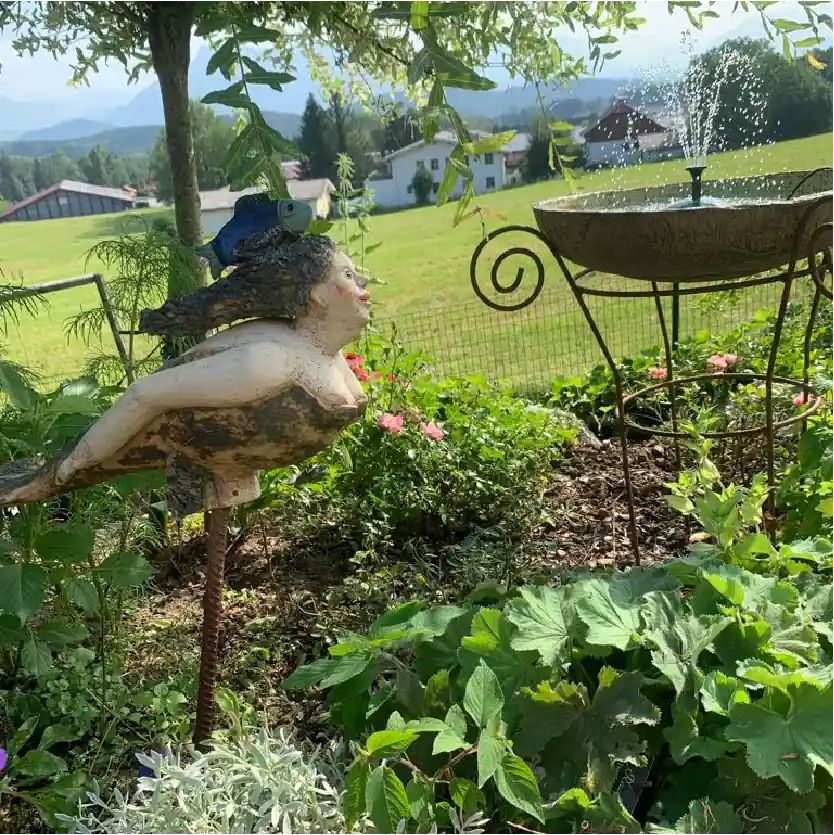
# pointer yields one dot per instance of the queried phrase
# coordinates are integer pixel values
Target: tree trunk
(169, 35)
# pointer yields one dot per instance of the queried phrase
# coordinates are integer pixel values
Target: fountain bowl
(638, 233)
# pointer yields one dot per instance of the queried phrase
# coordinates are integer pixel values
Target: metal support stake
(212, 611)
(676, 316)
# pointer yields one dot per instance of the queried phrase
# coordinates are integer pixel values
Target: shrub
(695, 695)
(260, 783)
(430, 459)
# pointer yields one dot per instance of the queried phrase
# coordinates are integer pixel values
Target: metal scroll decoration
(507, 289)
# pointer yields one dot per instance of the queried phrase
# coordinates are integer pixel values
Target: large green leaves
(607, 608)
(678, 637)
(585, 736)
(22, 587)
(125, 570)
(540, 622)
(787, 744)
(517, 785)
(483, 698)
(386, 800)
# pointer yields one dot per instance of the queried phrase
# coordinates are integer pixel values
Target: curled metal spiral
(508, 288)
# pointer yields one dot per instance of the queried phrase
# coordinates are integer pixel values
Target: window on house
(490, 182)
(63, 200)
(409, 189)
(435, 165)
(435, 187)
(476, 158)
(420, 164)
(489, 159)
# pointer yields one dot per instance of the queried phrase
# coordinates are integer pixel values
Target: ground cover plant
(691, 696)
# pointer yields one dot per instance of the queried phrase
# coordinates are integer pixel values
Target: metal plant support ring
(819, 244)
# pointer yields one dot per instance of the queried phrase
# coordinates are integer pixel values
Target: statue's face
(348, 301)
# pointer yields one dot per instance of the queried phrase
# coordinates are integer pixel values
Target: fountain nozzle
(695, 172)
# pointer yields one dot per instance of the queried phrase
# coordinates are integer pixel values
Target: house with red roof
(625, 136)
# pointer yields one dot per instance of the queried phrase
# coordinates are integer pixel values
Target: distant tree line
(21, 177)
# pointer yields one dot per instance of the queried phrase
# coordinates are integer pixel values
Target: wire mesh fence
(530, 347)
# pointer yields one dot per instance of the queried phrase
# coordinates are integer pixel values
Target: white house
(217, 207)
(624, 136)
(393, 188)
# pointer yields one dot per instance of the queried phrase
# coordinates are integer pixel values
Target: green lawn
(424, 264)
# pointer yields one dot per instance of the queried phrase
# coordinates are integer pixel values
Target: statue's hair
(275, 283)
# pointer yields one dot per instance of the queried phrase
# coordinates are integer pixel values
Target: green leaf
(491, 750)
(420, 794)
(327, 672)
(488, 144)
(15, 384)
(678, 638)
(483, 698)
(538, 617)
(385, 743)
(230, 97)
(782, 24)
(788, 746)
(610, 616)
(258, 75)
(572, 734)
(517, 785)
(491, 640)
(456, 720)
(11, 632)
(35, 657)
(223, 59)
(385, 799)
(54, 734)
(780, 679)
(419, 15)
(68, 544)
(39, 763)
(82, 593)
(447, 741)
(357, 782)
(707, 816)
(466, 795)
(22, 734)
(228, 701)
(124, 570)
(22, 587)
(59, 632)
(686, 741)
(72, 404)
(719, 691)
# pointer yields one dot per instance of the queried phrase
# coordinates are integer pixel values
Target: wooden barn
(71, 199)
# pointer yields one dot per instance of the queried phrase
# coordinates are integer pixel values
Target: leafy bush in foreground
(694, 696)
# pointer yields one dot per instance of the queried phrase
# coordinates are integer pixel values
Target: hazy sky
(42, 78)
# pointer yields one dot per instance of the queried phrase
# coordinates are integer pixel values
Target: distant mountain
(71, 129)
(138, 139)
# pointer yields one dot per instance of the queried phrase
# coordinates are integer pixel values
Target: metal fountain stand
(818, 242)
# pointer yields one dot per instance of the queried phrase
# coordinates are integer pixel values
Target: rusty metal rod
(212, 611)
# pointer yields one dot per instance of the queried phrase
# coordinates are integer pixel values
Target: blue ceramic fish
(254, 215)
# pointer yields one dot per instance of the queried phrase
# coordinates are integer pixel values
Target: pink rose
(432, 431)
(657, 373)
(389, 422)
(717, 362)
(799, 401)
(730, 359)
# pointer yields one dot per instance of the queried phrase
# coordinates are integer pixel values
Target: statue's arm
(230, 379)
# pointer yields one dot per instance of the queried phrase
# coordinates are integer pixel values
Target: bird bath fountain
(678, 240)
